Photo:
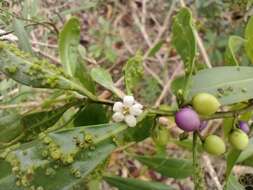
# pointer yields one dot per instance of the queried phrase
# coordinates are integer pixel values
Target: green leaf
(234, 44)
(66, 156)
(10, 128)
(92, 114)
(68, 45)
(177, 83)
(237, 156)
(229, 84)
(70, 50)
(155, 48)
(37, 122)
(246, 153)
(7, 180)
(23, 39)
(249, 39)
(233, 184)
(141, 131)
(103, 77)
(133, 72)
(183, 38)
(232, 157)
(169, 167)
(134, 184)
(83, 75)
(31, 71)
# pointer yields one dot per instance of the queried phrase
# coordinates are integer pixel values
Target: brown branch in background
(168, 84)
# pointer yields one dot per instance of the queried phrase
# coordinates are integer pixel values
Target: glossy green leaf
(169, 167)
(133, 72)
(103, 77)
(234, 44)
(134, 184)
(30, 71)
(23, 38)
(249, 39)
(68, 45)
(92, 114)
(183, 38)
(229, 84)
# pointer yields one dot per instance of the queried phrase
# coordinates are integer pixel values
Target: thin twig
(167, 86)
(212, 172)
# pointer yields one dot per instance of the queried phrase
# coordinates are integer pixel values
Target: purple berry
(244, 126)
(187, 119)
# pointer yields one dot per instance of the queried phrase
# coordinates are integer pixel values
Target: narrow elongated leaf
(69, 50)
(234, 44)
(68, 45)
(134, 184)
(103, 77)
(30, 71)
(183, 36)
(23, 39)
(183, 39)
(169, 167)
(249, 39)
(133, 72)
(229, 84)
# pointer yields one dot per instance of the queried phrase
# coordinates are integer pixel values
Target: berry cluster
(204, 104)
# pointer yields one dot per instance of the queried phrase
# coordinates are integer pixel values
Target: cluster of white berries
(127, 111)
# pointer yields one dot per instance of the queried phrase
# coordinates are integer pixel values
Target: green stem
(217, 115)
(198, 179)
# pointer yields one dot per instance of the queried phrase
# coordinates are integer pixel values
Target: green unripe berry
(239, 139)
(205, 104)
(214, 145)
